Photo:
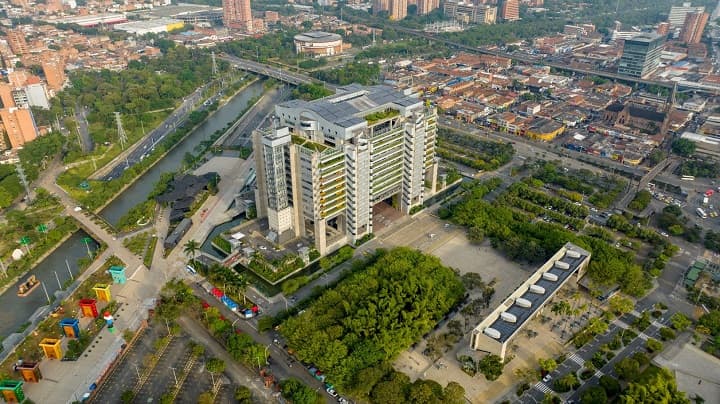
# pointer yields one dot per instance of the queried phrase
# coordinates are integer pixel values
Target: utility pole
(23, 179)
(122, 136)
(46, 293)
(214, 64)
(57, 278)
(174, 376)
(67, 264)
(77, 132)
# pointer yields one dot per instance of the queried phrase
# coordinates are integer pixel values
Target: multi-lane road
(139, 150)
(274, 72)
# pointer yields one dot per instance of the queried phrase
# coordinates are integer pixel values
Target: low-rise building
(496, 332)
(154, 26)
(318, 44)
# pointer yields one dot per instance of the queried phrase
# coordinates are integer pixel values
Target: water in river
(138, 192)
(17, 310)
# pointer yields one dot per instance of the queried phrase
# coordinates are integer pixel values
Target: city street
(576, 360)
(133, 154)
(282, 365)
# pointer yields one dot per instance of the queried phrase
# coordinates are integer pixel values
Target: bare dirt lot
(434, 236)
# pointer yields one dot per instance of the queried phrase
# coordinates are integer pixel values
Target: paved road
(135, 153)
(270, 71)
(239, 374)
(81, 120)
(281, 364)
(256, 117)
(576, 360)
(605, 163)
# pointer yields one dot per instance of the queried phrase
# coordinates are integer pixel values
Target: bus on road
(687, 178)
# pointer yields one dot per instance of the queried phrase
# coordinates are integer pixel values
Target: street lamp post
(174, 376)
(67, 264)
(46, 292)
(87, 241)
(57, 278)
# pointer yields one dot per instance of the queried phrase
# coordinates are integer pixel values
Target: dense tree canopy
(684, 147)
(374, 314)
(520, 238)
(361, 73)
(656, 385)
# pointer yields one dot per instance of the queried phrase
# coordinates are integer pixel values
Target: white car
(332, 392)
(77, 209)
(547, 378)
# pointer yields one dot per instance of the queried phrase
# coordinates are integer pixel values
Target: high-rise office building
(398, 9)
(641, 55)
(510, 10)
(693, 27)
(469, 13)
(427, 6)
(16, 40)
(677, 14)
(328, 163)
(237, 14)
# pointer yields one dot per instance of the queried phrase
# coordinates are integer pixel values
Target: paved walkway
(65, 382)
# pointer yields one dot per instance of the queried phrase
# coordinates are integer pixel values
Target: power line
(214, 65)
(122, 136)
(23, 179)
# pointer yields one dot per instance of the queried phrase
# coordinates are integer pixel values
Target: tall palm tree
(191, 248)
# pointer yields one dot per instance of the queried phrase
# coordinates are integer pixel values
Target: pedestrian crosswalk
(599, 374)
(643, 336)
(542, 387)
(577, 359)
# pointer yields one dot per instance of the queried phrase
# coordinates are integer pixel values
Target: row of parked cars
(329, 388)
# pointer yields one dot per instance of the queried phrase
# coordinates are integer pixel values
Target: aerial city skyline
(387, 201)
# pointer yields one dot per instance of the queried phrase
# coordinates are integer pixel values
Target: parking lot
(124, 376)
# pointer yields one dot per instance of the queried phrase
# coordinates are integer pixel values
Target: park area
(88, 327)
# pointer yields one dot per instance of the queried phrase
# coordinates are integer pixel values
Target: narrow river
(17, 310)
(138, 192)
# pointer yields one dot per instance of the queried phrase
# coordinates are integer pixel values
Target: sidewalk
(65, 382)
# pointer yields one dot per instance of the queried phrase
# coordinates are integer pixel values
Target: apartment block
(54, 74)
(510, 10)
(398, 9)
(328, 163)
(427, 6)
(692, 29)
(237, 14)
(19, 125)
(16, 40)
